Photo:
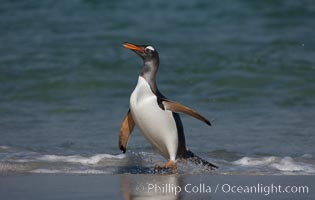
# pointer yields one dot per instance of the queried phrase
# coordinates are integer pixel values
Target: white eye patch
(150, 47)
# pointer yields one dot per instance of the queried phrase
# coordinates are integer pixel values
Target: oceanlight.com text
(264, 189)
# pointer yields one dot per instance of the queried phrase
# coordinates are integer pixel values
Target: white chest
(142, 93)
(158, 126)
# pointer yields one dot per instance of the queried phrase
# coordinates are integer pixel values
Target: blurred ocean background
(65, 81)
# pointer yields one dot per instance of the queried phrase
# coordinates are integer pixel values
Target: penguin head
(146, 52)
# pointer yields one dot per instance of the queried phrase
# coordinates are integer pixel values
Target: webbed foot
(168, 165)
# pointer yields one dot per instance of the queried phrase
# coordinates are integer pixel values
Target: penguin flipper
(125, 131)
(177, 107)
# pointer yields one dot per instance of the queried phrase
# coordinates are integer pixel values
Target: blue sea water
(65, 81)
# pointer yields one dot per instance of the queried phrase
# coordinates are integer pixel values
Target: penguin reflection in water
(156, 116)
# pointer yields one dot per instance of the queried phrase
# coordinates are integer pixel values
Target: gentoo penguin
(156, 116)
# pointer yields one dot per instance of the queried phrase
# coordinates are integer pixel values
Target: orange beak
(133, 47)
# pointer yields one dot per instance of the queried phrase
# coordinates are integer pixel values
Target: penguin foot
(168, 165)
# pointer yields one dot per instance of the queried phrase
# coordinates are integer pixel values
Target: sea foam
(4, 147)
(79, 159)
(51, 171)
(285, 164)
(288, 164)
(249, 161)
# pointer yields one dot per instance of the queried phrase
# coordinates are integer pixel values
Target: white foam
(46, 171)
(79, 159)
(288, 164)
(51, 171)
(248, 161)
(4, 147)
(307, 156)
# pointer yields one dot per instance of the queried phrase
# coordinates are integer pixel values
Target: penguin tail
(189, 155)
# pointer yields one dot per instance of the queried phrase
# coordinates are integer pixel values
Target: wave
(85, 160)
(3, 147)
(285, 164)
(143, 162)
(34, 162)
(52, 171)
(92, 160)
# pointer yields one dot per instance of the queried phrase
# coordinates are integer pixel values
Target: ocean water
(65, 81)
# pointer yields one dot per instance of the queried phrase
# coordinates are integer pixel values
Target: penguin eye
(149, 49)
